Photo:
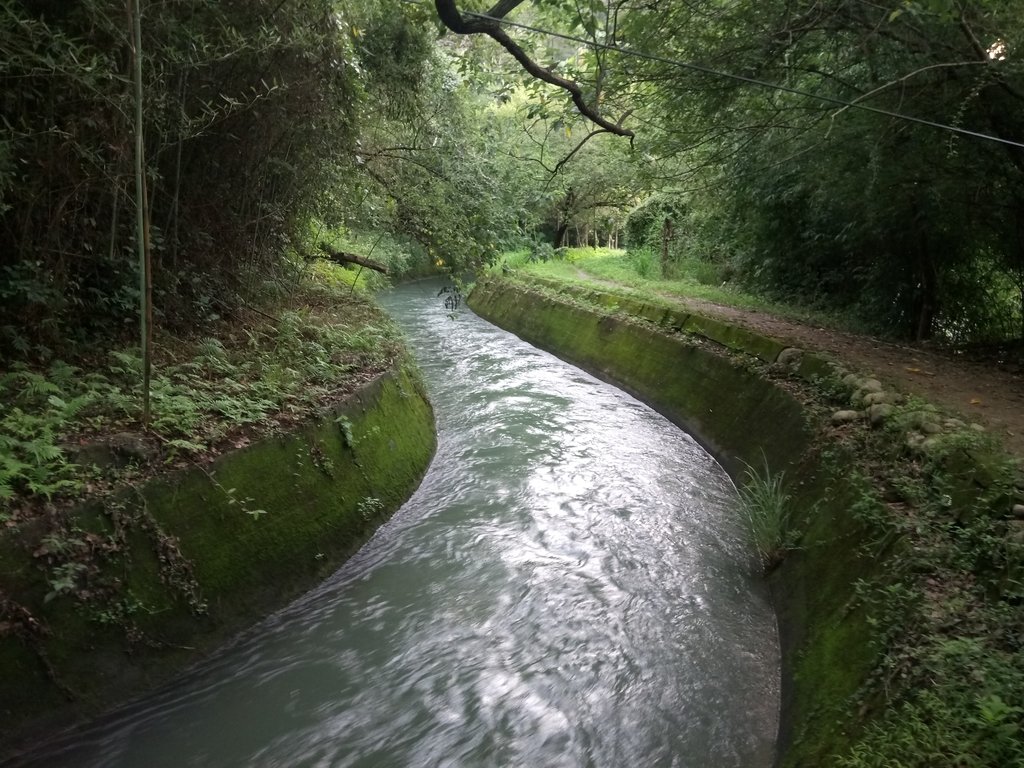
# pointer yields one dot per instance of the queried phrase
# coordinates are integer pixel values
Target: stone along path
(981, 392)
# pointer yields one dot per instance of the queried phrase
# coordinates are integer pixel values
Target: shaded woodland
(731, 135)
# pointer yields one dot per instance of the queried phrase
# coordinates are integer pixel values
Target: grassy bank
(640, 273)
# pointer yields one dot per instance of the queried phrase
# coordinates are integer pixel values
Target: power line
(748, 80)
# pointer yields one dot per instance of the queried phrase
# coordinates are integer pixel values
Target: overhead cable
(748, 80)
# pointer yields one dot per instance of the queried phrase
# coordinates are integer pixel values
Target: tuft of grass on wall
(766, 507)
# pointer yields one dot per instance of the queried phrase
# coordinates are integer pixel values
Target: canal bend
(570, 586)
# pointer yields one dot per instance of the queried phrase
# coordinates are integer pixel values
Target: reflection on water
(568, 587)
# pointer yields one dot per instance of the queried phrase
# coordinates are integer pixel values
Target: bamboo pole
(142, 216)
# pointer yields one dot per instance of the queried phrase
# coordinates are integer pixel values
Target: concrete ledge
(183, 562)
(730, 336)
(743, 419)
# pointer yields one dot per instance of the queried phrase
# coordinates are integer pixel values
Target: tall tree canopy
(868, 151)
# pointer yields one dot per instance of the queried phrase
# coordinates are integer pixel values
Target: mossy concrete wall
(187, 560)
(681, 365)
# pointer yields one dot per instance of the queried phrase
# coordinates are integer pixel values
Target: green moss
(734, 337)
(208, 551)
(814, 367)
(659, 313)
(675, 320)
(273, 505)
(653, 313)
(827, 637)
(30, 690)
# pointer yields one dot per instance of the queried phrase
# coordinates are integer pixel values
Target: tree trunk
(563, 227)
(926, 300)
(1022, 312)
(142, 214)
(666, 238)
(564, 217)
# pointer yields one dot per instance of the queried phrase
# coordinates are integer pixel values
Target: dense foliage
(749, 130)
(321, 340)
(914, 225)
(249, 118)
(272, 126)
(840, 155)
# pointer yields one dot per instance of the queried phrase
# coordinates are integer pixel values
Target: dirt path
(981, 392)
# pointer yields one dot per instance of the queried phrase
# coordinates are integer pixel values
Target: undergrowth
(947, 619)
(252, 374)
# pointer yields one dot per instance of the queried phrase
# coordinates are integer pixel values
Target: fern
(194, 403)
(35, 386)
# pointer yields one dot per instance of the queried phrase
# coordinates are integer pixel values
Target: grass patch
(640, 272)
(765, 505)
(575, 255)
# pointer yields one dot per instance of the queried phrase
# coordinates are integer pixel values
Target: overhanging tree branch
(561, 163)
(490, 24)
(342, 257)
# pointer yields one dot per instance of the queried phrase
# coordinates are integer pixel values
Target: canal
(570, 586)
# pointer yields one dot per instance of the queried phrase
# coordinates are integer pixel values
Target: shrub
(645, 263)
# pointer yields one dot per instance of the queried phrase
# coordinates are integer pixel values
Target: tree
(430, 165)
(249, 116)
(835, 203)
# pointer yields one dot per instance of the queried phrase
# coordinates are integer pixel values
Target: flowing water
(568, 587)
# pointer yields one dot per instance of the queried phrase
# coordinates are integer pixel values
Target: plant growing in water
(766, 506)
